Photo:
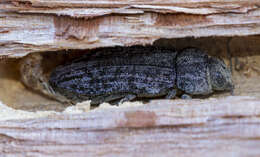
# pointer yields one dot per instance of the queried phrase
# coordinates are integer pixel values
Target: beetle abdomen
(145, 74)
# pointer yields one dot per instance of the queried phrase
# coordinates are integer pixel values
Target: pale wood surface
(214, 127)
(47, 25)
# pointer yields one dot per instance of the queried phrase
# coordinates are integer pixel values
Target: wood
(214, 127)
(46, 25)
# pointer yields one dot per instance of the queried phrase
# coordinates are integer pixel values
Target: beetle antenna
(229, 54)
(230, 61)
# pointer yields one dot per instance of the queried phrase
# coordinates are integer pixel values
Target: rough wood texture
(41, 25)
(214, 127)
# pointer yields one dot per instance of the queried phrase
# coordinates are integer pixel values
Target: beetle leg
(100, 99)
(186, 96)
(171, 94)
(97, 100)
(128, 97)
(47, 89)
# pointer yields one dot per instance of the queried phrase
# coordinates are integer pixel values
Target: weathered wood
(211, 127)
(46, 25)
(214, 127)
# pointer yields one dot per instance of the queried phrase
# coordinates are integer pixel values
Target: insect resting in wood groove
(126, 73)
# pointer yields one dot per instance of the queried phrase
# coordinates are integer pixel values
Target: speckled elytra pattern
(115, 73)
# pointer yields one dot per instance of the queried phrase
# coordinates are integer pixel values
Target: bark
(46, 25)
(214, 127)
(211, 127)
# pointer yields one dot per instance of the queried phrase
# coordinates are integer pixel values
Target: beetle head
(220, 75)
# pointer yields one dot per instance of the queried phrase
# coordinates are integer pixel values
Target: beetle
(127, 73)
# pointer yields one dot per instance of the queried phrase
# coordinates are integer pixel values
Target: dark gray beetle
(129, 72)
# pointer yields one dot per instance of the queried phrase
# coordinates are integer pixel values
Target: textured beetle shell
(145, 72)
(140, 71)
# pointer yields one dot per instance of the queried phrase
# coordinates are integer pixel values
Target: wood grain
(215, 127)
(212, 127)
(46, 25)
